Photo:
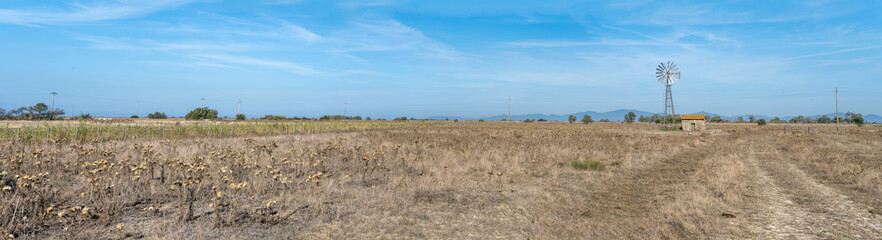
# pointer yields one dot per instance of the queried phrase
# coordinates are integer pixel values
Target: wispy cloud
(81, 13)
(678, 14)
(243, 60)
(110, 43)
(390, 36)
(833, 52)
(222, 26)
(608, 42)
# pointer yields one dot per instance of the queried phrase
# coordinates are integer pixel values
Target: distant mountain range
(619, 115)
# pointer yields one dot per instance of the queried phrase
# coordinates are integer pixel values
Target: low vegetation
(438, 180)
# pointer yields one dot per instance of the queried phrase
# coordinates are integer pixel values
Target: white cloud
(79, 13)
(391, 36)
(243, 60)
(833, 52)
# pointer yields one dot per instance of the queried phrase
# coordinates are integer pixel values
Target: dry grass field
(466, 180)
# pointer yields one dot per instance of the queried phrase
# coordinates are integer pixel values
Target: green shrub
(587, 119)
(761, 122)
(589, 165)
(134, 116)
(157, 115)
(201, 113)
(240, 116)
(272, 117)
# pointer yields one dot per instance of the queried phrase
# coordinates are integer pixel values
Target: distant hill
(619, 115)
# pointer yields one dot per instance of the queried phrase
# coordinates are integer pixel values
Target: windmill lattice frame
(667, 73)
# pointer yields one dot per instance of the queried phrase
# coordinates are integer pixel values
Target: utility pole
(53, 105)
(137, 107)
(509, 108)
(239, 109)
(344, 109)
(837, 110)
(203, 102)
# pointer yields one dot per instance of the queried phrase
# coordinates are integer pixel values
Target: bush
(480, 120)
(400, 119)
(157, 115)
(589, 165)
(455, 120)
(761, 122)
(587, 119)
(84, 117)
(201, 113)
(134, 116)
(629, 118)
(240, 116)
(271, 117)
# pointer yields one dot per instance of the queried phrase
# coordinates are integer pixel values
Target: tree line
(39, 111)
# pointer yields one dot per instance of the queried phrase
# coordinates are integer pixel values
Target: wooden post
(124, 132)
(76, 134)
(48, 130)
(17, 134)
(163, 132)
(99, 132)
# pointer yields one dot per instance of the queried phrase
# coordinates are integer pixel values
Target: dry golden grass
(460, 180)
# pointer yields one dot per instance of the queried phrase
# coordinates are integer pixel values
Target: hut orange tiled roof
(692, 117)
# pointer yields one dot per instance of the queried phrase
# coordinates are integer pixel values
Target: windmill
(667, 74)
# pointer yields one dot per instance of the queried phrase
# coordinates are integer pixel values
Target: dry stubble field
(454, 181)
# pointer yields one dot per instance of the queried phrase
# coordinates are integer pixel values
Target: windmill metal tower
(667, 74)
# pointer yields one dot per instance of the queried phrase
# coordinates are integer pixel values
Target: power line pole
(239, 109)
(137, 107)
(53, 105)
(344, 109)
(509, 108)
(837, 110)
(203, 102)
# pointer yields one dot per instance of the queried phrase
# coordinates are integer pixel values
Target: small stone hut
(692, 122)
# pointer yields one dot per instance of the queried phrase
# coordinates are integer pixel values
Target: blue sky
(389, 58)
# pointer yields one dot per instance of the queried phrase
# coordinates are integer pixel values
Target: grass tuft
(589, 165)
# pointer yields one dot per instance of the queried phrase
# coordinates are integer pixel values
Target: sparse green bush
(761, 122)
(240, 117)
(587, 119)
(272, 117)
(157, 115)
(134, 116)
(589, 165)
(85, 116)
(201, 113)
(629, 118)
